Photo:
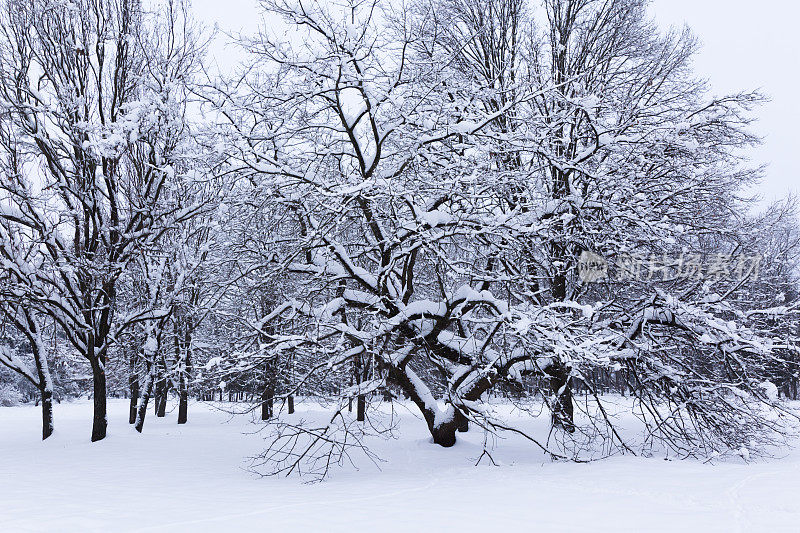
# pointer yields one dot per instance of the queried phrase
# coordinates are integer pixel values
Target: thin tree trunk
(141, 410)
(161, 397)
(183, 403)
(266, 404)
(133, 385)
(360, 400)
(185, 357)
(47, 412)
(156, 395)
(161, 407)
(268, 394)
(290, 402)
(44, 379)
(134, 400)
(45, 384)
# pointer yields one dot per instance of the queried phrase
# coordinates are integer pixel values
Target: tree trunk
(182, 357)
(361, 408)
(443, 434)
(45, 387)
(268, 394)
(156, 394)
(133, 384)
(141, 410)
(45, 380)
(290, 402)
(183, 408)
(47, 412)
(100, 421)
(358, 366)
(183, 405)
(266, 405)
(267, 400)
(560, 388)
(161, 398)
(161, 412)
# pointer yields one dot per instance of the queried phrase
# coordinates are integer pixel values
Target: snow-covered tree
(93, 89)
(429, 181)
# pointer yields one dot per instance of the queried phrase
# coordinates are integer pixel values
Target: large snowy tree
(430, 180)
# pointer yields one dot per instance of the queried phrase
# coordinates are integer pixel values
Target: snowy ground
(195, 478)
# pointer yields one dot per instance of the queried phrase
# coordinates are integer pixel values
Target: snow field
(196, 478)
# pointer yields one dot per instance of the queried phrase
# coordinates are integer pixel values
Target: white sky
(746, 45)
(752, 44)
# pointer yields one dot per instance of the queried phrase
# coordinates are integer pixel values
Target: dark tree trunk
(161, 398)
(361, 403)
(183, 393)
(161, 412)
(133, 383)
(100, 421)
(182, 343)
(268, 394)
(290, 404)
(560, 388)
(47, 413)
(156, 395)
(133, 386)
(361, 408)
(45, 386)
(183, 405)
(266, 405)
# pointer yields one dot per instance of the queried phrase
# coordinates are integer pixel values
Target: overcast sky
(752, 44)
(746, 44)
